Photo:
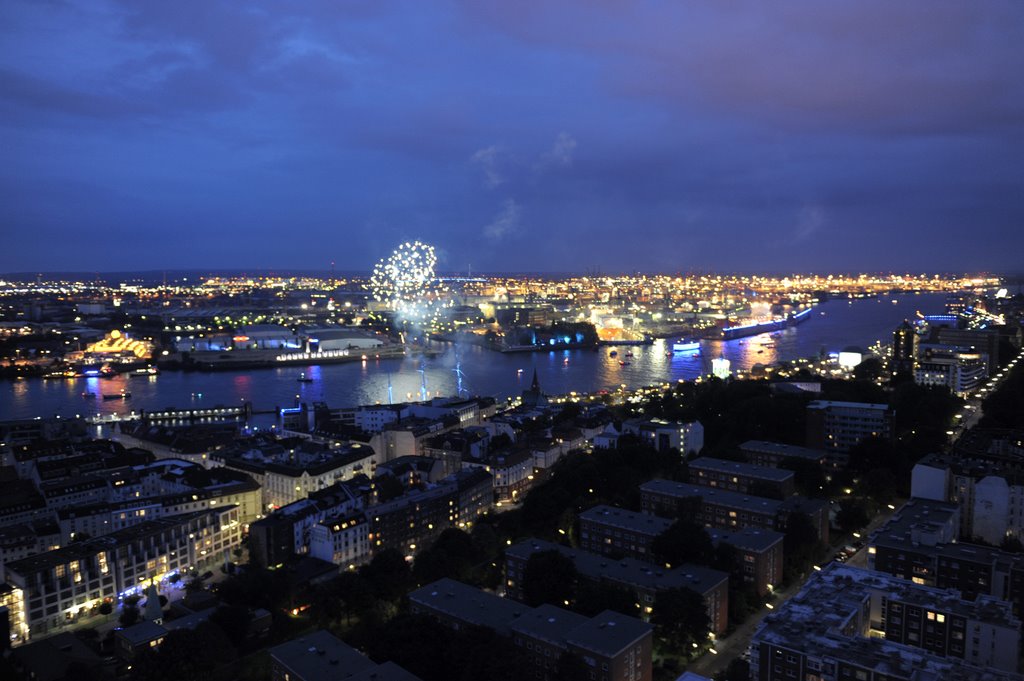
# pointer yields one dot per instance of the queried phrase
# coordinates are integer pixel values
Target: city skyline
(529, 139)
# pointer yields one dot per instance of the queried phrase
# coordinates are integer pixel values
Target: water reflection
(485, 372)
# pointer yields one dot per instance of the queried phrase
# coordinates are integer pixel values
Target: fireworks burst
(406, 283)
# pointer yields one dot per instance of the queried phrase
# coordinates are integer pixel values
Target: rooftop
(748, 538)
(785, 451)
(737, 500)
(319, 655)
(469, 604)
(830, 404)
(608, 633)
(919, 521)
(737, 468)
(641, 523)
(828, 619)
(627, 570)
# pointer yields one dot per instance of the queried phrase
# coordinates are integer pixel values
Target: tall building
(837, 427)
(903, 350)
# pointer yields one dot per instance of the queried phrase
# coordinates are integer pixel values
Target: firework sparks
(406, 283)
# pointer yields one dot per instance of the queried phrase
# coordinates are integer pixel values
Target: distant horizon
(122, 275)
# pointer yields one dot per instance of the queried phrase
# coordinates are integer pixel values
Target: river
(833, 325)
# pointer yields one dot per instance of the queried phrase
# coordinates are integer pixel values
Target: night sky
(514, 135)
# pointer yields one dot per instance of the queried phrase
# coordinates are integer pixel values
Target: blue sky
(514, 136)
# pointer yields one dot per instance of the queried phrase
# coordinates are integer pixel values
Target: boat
(696, 354)
(685, 345)
(89, 396)
(304, 379)
(623, 363)
(629, 353)
(613, 353)
(123, 395)
(669, 353)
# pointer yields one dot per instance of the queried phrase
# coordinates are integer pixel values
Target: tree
(388, 574)
(680, 618)
(809, 476)
(549, 577)
(683, 542)
(868, 370)
(234, 622)
(129, 614)
(853, 515)
(106, 607)
(185, 654)
(194, 585)
(800, 544)
(453, 554)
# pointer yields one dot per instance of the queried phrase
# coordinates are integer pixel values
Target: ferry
(685, 345)
(145, 371)
(123, 395)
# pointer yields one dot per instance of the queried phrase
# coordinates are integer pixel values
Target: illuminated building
(686, 438)
(720, 368)
(342, 540)
(959, 369)
(63, 585)
(848, 623)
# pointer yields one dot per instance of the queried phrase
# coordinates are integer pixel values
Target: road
(736, 644)
(971, 413)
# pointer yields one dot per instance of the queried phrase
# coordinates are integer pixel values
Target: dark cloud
(521, 136)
